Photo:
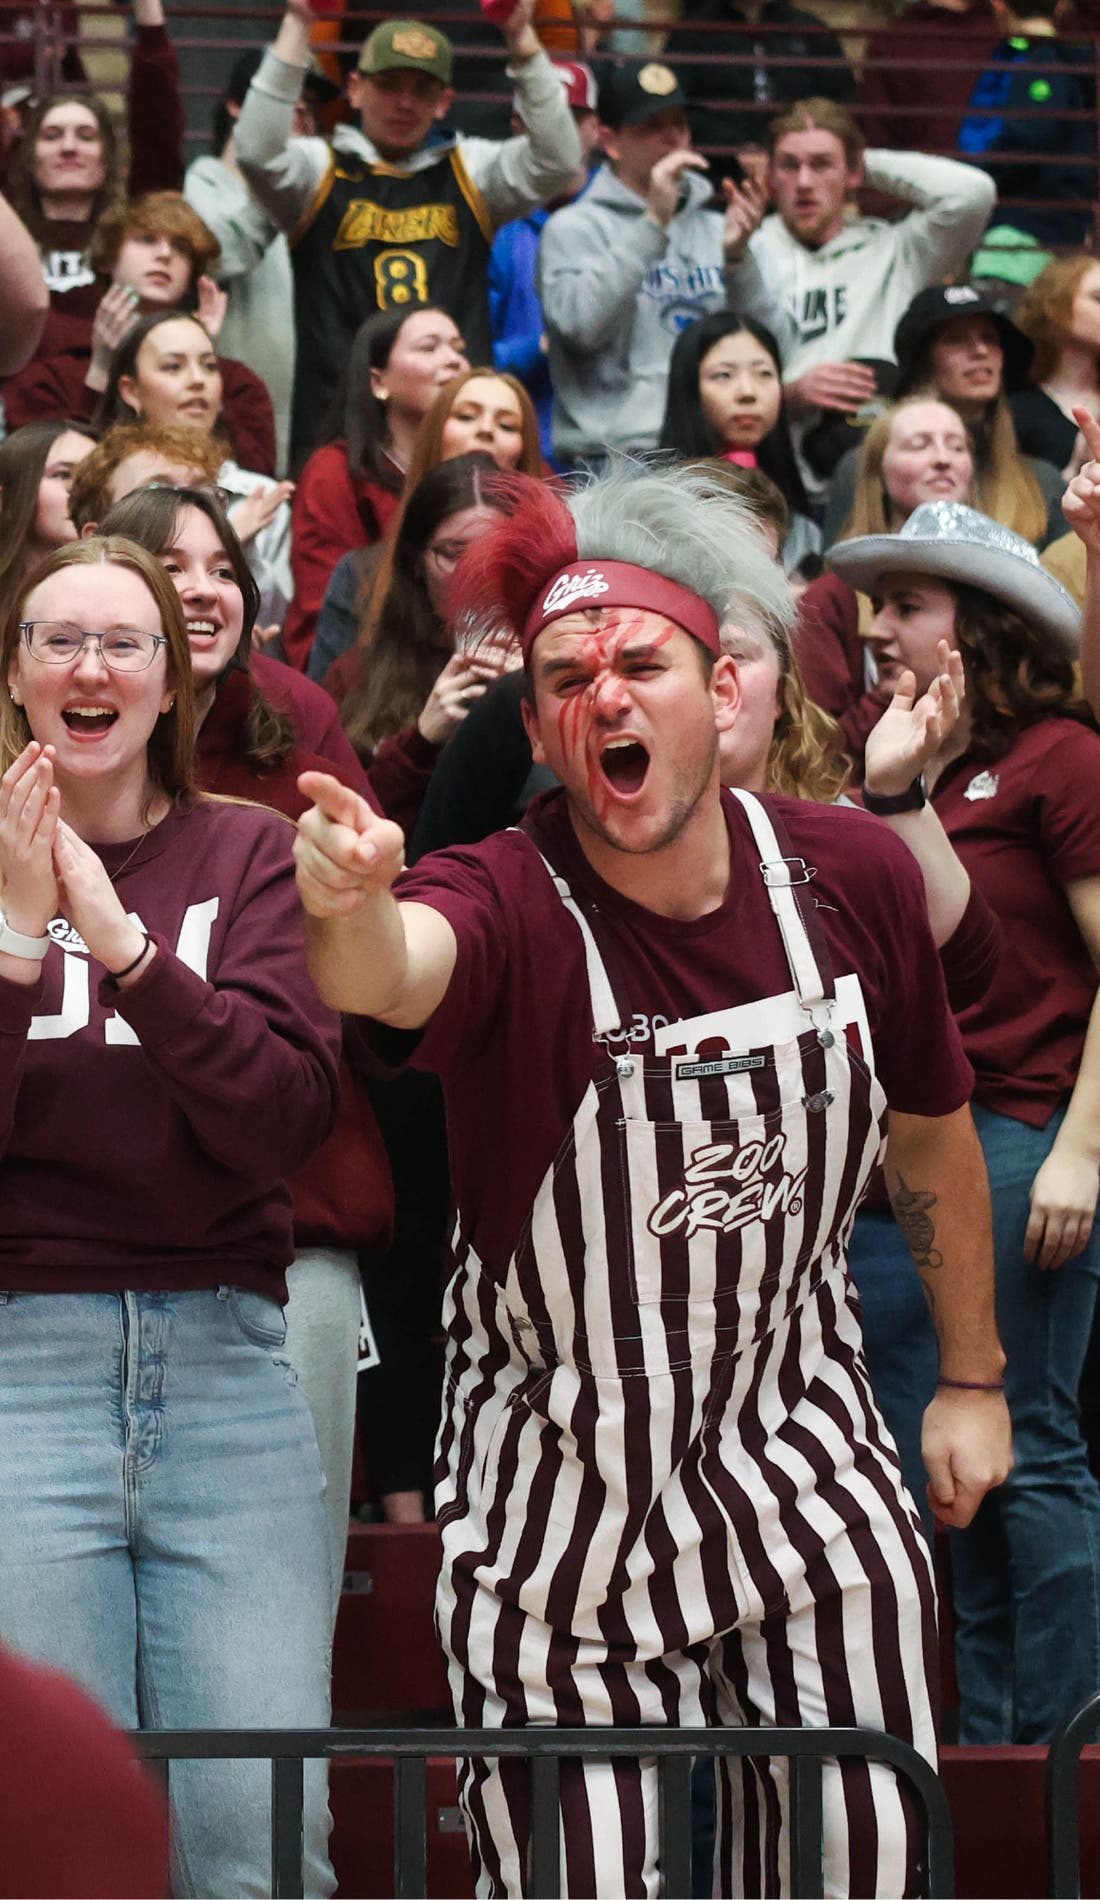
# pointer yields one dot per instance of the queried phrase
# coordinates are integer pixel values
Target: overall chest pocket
(714, 1208)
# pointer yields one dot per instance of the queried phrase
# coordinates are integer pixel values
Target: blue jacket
(515, 313)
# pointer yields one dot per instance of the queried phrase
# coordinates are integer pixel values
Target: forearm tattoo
(914, 1211)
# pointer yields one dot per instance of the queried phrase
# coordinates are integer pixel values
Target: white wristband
(14, 944)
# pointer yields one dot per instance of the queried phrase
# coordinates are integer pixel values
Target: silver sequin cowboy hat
(953, 543)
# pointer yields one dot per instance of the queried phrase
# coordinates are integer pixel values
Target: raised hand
(841, 386)
(259, 509)
(115, 318)
(518, 28)
(911, 730)
(745, 207)
(464, 679)
(91, 902)
(344, 852)
(666, 184)
(213, 302)
(30, 804)
(1081, 502)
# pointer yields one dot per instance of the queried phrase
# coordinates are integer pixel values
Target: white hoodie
(845, 299)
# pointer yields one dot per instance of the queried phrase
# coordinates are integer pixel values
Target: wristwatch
(914, 798)
(14, 944)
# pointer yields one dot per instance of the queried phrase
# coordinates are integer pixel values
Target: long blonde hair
(806, 758)
(172, 743)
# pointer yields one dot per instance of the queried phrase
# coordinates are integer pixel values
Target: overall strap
(606, 1014)
(803, 941)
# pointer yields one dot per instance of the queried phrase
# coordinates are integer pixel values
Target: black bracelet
(914, 798)
(973, 1385)
(117, 975)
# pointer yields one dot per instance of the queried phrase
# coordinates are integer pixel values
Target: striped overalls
(665, 1492)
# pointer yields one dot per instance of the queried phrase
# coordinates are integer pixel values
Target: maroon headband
(620, 584)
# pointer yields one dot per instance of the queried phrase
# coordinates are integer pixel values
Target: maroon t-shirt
(512, 1039)
(1025, 827)
(146, 1134)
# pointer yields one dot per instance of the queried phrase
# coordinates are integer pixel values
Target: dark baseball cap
(931, 309)
(408, 46)
(631, 94)
(316, 85)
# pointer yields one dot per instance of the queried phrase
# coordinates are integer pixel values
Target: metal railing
(545, 1748)
(1063, 1790)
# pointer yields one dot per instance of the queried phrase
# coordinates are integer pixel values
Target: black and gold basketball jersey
(379, 238)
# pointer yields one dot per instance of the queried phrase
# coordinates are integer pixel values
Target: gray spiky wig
(679, 523)
(687, 526)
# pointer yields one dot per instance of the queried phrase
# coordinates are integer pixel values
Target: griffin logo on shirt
(365, 222)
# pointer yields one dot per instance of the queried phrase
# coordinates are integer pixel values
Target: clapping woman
(166, 1066)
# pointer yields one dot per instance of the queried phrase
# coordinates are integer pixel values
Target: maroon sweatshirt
(55, 386)
(146, 1134)
(155, 121)
(343, 1197)
(830, 658)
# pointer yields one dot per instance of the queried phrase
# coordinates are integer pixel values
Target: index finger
(336, 802)
(1090, 429)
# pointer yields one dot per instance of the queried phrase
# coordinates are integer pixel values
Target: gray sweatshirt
(513, 175)
(616, 291)
(255, 272)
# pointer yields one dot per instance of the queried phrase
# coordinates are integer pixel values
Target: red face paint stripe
(620, 584)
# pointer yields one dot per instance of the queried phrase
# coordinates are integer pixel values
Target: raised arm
(24, 298)
(368, 954)
(514, 175)
(154, 105)
(951, 203)
(283, 172)
(939, 1190)
(907, 737)
(1081, 507)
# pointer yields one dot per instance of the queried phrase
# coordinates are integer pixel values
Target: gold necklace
(112, 875)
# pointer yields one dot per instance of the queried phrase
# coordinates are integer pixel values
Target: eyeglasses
(210, 490)
(58, 643)
(446, 553)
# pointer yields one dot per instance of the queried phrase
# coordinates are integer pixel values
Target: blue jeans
(163, 1540)
(899, 1339)
(1027, 1571)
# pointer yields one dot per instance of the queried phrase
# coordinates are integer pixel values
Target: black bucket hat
(941, 304)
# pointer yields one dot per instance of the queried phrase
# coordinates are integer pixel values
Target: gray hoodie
(616, 291)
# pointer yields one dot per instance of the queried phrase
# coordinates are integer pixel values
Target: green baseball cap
(408, 45)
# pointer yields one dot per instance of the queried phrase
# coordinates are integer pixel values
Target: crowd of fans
(256, 413)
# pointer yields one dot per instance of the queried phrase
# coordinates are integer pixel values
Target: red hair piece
(500, 575)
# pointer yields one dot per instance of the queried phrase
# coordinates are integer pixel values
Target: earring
(16, 696)
(171, 702)
(383, 395)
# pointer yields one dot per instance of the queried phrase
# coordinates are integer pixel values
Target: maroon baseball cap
(578, 83)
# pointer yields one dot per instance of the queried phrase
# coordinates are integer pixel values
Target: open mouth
(89, 721)
(202, 630)
(624, 764)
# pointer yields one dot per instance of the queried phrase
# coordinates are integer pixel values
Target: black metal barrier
(1063, 1799)
(675, 1749)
